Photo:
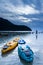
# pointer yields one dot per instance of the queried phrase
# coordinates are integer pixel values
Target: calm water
(12, 58)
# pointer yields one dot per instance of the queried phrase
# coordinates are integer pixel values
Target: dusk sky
(23, 12)
(15, 9)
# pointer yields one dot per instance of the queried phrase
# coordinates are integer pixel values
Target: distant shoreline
(16, 31)
(6, 33)
(19, 31)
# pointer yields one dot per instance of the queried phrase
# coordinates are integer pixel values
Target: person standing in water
(36, 33)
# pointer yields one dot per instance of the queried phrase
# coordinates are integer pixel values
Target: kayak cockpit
(5, 47)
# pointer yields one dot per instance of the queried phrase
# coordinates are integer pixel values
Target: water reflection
(36, 36)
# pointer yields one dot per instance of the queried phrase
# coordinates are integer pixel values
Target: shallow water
(34, 41)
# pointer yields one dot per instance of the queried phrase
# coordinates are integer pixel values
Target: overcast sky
(15, 9)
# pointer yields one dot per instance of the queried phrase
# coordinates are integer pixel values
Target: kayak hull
(11, 45)
(22, 54)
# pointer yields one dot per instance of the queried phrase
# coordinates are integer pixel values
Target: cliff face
(6, 25)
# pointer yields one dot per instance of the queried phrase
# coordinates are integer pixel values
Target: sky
(14, 10)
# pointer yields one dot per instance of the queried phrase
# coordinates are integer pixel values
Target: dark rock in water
(6, 25)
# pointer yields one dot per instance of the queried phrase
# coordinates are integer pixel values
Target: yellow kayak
(10, 45)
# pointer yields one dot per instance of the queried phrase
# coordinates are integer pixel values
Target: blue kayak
(21, 41)
(25, 53)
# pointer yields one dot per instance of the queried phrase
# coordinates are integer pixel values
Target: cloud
(23, 19)
(27, 10)
(20, 9)
(9, 11)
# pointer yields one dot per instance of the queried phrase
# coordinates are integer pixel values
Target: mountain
(6, 25)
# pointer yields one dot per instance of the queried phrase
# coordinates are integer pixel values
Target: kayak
(10, 45)
(21, 41)
(25, 53)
